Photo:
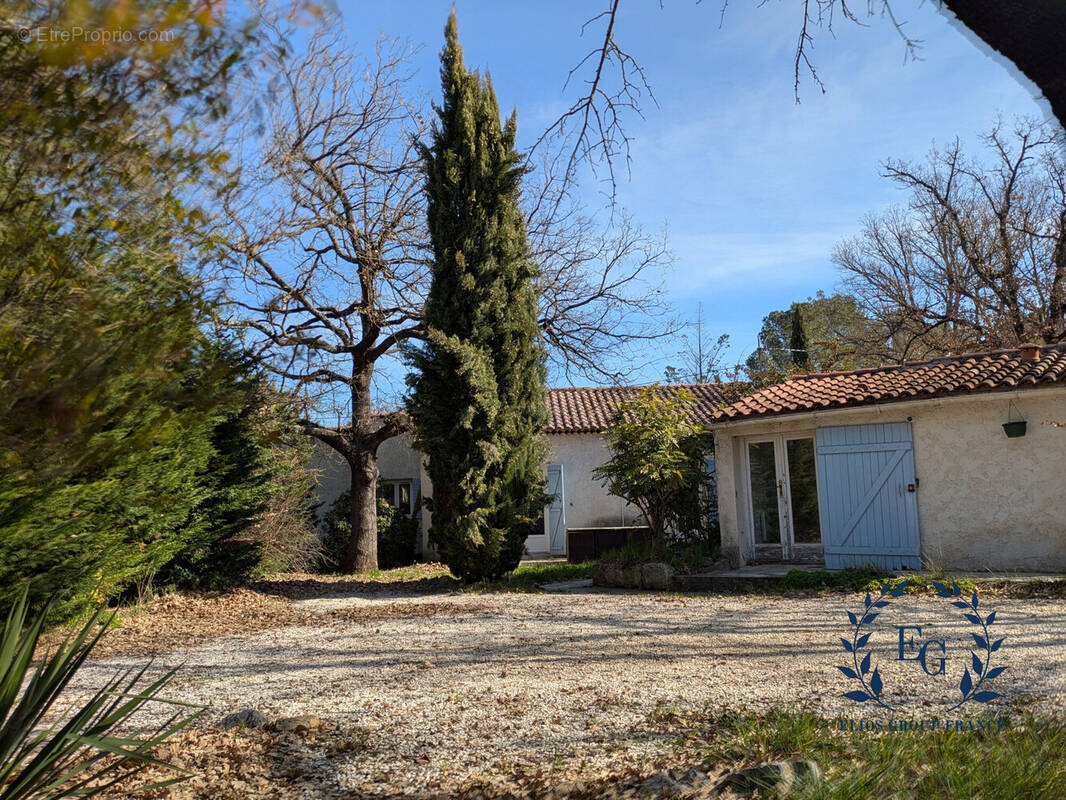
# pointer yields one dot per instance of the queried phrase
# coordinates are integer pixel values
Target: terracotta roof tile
(974, 372)
(589, 409)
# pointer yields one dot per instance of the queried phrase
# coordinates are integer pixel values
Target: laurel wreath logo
(871, 682)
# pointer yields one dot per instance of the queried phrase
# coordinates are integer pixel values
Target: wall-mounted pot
(1014, 429)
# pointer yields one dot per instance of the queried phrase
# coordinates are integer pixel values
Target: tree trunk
(361, 554)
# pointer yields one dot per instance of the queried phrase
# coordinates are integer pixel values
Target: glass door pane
(763, 474)
(803, 488)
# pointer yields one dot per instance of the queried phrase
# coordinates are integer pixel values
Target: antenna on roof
(699, 342)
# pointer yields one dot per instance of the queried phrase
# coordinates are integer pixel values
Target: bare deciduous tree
(602, 299)
(701, 358)
(327, 264)
(977, 259)
(592, 131)
(1029, 33)
(326, 247)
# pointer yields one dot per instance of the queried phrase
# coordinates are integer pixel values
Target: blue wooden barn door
(556, 511)
(867, 496)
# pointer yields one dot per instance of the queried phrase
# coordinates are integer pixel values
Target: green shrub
(636, 550)
(160, 484)
(285, 529)
(686, 554)
(658, 464)
(919, 583)
(213, 553)
(257, 512)
(848, 580)
(102, 487)
(530, 577)
(108, 405)
(397, 534)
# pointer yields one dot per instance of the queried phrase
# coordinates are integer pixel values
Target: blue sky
(754, 189)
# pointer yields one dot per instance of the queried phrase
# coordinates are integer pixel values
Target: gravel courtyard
(422, 694)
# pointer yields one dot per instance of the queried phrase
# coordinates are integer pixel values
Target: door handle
(911, 487)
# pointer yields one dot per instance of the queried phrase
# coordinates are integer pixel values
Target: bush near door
(658, 464)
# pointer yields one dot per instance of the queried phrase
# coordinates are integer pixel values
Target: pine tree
(478, 402)
(797, 343)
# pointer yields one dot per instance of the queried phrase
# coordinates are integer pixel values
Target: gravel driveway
(484, 683)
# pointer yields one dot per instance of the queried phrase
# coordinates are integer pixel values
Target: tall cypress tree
(478, 402)
(797, 343)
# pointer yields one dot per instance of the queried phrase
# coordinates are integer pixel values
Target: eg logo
(929, 654)
(909, 646)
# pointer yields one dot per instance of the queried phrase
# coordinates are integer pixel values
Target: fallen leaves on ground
(182, 620)
(244, 764)
(417, 578)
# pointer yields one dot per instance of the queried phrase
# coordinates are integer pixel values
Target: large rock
(656, 576)
(611, 573)
(245, 718)
(773, 779)
(602, 574)
(661, 784)
(691, 785)
(720, 564)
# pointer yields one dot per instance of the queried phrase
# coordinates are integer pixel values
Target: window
(782, 493)
(398, 494)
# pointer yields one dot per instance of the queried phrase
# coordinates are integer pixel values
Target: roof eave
(893, 401)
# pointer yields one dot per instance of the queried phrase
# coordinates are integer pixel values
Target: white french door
(782, 497)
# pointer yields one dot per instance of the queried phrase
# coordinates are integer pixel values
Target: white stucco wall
(332, 476)
(588, 503)
(397, 460)
(984, 501)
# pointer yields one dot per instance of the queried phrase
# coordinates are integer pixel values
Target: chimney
(1030, 352)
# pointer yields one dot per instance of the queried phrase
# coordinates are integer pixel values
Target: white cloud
(754, 259)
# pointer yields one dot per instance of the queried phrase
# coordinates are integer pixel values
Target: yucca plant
(85, 750)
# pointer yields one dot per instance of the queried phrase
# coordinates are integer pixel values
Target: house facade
(903, 466)
(578, 418)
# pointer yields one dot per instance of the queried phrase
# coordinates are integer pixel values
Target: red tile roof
(589, 409)
(1002, 370)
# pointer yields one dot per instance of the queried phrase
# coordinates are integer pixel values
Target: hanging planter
(1014, 429)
